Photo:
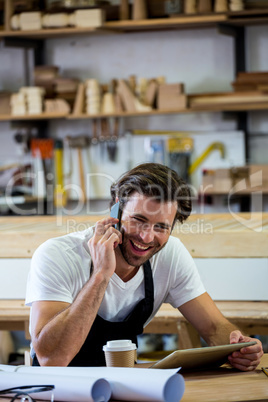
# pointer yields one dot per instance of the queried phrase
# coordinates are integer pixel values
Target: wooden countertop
(227, 385)
(249, 315)
(223, 385)
(205, 236)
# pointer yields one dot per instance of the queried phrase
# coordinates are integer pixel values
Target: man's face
(146, 225)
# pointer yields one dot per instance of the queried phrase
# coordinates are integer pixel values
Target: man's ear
(116, 199)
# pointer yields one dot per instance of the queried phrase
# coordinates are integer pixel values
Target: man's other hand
(248, 358)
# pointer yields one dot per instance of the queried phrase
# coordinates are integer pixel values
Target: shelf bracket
(36, 45)
(238, 33)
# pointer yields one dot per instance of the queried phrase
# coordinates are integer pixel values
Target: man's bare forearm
(220, 335)
(57, 343)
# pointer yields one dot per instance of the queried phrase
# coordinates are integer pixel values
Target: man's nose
(147, 233)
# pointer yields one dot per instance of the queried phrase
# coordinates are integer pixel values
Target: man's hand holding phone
(102, 246)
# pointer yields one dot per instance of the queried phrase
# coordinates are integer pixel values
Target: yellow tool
(60, 197)
(157, 132)
(214, 146)
(180, 144)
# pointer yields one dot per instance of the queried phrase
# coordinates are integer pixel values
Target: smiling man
(104, 284)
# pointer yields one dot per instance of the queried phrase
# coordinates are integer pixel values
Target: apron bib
(91, 353)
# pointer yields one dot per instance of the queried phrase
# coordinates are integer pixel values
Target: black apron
(91, 353)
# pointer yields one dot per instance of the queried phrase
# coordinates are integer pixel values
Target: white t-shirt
(61, 266)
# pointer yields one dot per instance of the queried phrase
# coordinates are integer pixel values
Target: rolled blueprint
(79, 388)
(127, 384)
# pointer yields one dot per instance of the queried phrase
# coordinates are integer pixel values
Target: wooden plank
(205, 236)
(50, 32)
(126, 114)
(249, 12)
(162, 325)
(166, 23)
(8, 11)
(188, 336)
(250, 317)
(194, 21)
(43, 116)
(251, 106)
(226, 385)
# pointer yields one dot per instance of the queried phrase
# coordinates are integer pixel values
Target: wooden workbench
(227, 385)
(223, 385)
(251, 317)
(205, 236)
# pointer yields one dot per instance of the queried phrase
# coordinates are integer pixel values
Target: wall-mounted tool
(42, 152)
(22, 138)
(112, 147)
(60, 196)
(155, 150)
(200, 159)
(81, 142)
(179, 154)
(94, 139)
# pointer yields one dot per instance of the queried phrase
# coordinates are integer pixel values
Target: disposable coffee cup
(120, 353)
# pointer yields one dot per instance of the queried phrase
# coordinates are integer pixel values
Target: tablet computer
(210, 356)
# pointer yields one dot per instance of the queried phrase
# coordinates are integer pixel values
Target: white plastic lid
(119, 345)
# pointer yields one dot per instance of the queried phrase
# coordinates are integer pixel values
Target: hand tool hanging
(79, 143)
(112, 146)
(60, 196)
(42, 152)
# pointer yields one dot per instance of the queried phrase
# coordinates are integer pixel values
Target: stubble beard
(135, 260)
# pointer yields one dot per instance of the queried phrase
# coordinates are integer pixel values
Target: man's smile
(139, 247)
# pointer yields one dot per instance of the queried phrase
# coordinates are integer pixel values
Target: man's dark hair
(156, 181)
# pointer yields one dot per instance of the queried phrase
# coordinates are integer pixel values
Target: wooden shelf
(128, 114)
(192, 21)
(202, 109)
(183, 21)
(240, 193)
(180, 22)
(43, 116)
(50, 33)
(238, 107)
(248, 17)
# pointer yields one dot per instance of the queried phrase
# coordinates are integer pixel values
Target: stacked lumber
(28, 101)
(253, 81)
(56, 86)
(5, 108)
(44, 76)
(66, 88)
(34, 97)
(226, 99)
(130, 96)
(57, 106)
(240, 179)
(18, 104)
(93, 18)
(171, 97)
(36, 20)
(29, 21)
(93, 97)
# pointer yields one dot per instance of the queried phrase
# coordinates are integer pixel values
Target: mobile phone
(116, 213)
